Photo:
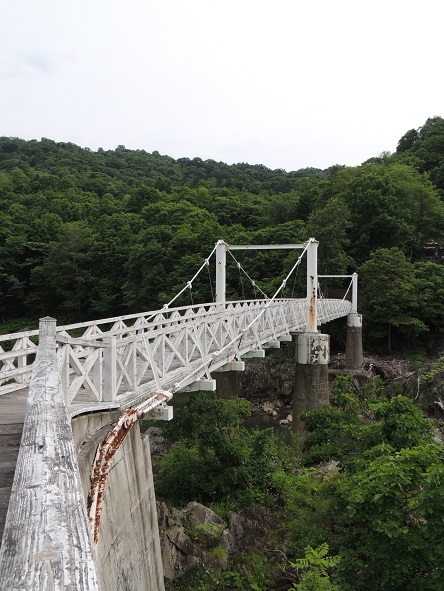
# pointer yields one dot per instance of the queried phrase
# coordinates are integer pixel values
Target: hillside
(88, 234)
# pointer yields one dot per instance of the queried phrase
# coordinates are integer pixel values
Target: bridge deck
(12, 416)
(113, 365)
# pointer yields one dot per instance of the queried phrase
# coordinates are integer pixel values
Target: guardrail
(47, 540)
(126, 357)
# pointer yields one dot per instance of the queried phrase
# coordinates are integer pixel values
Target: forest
(87, 235)
(359, 505)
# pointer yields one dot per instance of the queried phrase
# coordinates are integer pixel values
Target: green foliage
(376, 504)
(88, 234)
(427, 377)
(304, 494)
(383, 509)
(430, 277)
(403, 424)
(392, 532)
(330, 225)
(343, 430)
(406, 209)
(214, 458)
(424, 149)
(357, 421)
(315, 564)
(207, 533)
(391, 295)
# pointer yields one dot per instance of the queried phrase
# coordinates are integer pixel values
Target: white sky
(285, 83)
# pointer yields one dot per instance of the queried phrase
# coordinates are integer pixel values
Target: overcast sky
(285, 83)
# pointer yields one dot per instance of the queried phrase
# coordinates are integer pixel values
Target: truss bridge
(121, 361)
(85, 387)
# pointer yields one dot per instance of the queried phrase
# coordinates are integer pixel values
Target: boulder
(196, 514)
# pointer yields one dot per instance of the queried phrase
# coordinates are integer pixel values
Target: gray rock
(242, 531)
(196, 514)
(180, 552)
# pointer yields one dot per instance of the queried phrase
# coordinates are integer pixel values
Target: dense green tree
(431, 293)
(315, 565)
(215, 458)
(330, 226)
(407, 140)
(391, 206)
(390, 295)
(64, 281)
(390, 518)
(152, 219)
(424, 149)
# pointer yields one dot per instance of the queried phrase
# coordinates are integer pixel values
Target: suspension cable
(204, 264)
(294, 281)
(239, 266)
(267, 305)
(345, 295)
(241, 282)
(207, 262)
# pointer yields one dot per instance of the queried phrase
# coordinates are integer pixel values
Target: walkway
(12, 416)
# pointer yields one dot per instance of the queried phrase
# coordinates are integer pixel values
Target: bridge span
(109, 373)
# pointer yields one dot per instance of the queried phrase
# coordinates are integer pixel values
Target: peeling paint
(102, 465)
(108, 449)
(312, 319)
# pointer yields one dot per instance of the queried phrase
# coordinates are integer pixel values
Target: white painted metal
(266, 246)
(355, 293)
(254, 353)
(354, 278)
(273, 344)
(233, 366)
(312, 286)
(108, 365)
(221, 264)
(200, 386)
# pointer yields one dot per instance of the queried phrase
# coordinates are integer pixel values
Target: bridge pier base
(311, 389)
(227, 384)
(227, 379)
(354, 357)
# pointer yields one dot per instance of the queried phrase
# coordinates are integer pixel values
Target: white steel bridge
(122, 361)
(134, 363)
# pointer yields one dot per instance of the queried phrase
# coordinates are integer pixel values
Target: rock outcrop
(197, 536)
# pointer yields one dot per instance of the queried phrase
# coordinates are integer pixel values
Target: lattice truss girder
(111, 356)
(16, 363)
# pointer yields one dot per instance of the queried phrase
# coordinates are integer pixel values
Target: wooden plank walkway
(12, 416)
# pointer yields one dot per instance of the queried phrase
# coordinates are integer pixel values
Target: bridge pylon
(354, 357)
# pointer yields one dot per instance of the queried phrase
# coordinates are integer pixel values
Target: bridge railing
(46, 541)
(17, 354)
(330, 309)
(117, 358)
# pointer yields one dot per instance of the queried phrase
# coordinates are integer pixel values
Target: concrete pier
(354, 357)
(227, 384)
(311, 389)
(227, 379)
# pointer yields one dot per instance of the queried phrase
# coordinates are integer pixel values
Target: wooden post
(46, 541)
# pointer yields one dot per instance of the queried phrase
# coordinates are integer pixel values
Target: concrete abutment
(128, 551)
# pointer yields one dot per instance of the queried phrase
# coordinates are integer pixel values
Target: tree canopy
(87, 234)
